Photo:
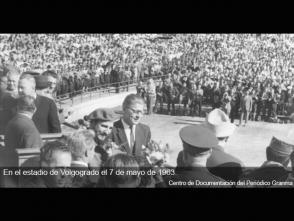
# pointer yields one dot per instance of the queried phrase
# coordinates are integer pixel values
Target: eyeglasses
(139, 112)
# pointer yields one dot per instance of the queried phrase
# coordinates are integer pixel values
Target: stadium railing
(101, 90)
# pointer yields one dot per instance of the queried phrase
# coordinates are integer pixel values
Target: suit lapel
(123, 138)
(37, 101)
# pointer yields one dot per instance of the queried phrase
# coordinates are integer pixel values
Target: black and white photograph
(164, 110)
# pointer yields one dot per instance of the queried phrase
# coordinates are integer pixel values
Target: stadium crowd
(239, 75)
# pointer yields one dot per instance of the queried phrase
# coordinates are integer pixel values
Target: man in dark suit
(246, 107)
(128, 132)
(46, 116)
(21, 131)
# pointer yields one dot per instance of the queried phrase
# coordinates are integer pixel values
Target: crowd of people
(222, 67)
(248, 76)
(238, 75)
(84, 61)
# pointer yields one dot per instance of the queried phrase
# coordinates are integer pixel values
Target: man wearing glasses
(128, 132)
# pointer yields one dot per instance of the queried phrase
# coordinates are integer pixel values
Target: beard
(103, 137)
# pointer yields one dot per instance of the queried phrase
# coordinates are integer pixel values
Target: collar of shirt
(25, 114)
(128, 130)
(79, 163)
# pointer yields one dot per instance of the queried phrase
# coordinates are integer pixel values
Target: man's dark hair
(50, 73)
(49, 148)
(122, 162)
(130, 99)
(26, 103)
(144, 166)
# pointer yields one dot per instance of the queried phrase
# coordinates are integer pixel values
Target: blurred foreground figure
(125, 163)
(55, 156)
(82, 147)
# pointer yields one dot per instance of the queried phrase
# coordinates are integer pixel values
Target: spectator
(150, 95)
(52, 82)
(141, 91)
(159, 97)
(246, 107)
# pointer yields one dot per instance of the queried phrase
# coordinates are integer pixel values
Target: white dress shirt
(79, 163)
(128, 131)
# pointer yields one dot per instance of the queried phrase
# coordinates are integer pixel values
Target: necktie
(132, 139)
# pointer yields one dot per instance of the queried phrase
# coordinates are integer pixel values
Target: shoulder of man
(144, 126)
(219, 157)
(117, 124)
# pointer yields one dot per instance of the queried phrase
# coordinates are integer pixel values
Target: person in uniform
(101, 122)
(275, 167)
(198, 143)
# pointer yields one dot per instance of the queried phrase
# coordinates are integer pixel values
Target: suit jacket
(22, 133)
(7, 110)
(220, 164)
(46, 117)
(142, 137)
(225, 165)
(186, 174)
(246, 103)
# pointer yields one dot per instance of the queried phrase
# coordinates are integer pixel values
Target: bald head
(12, 81)
(27, 85)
